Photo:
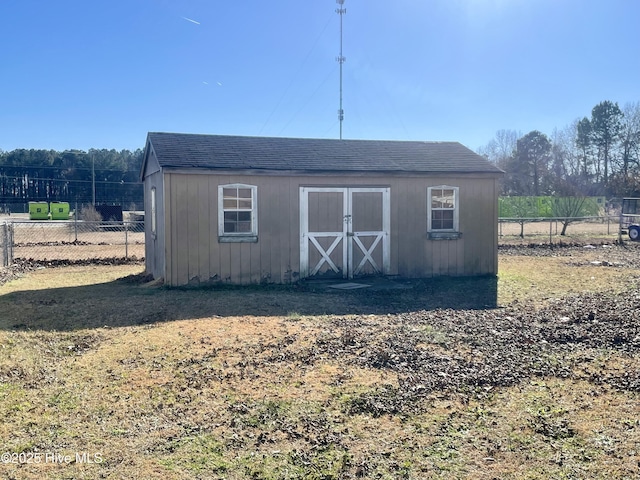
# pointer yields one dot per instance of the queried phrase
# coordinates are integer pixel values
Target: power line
(69, 180)
(53, 167)
(293, 78)
(302, 107)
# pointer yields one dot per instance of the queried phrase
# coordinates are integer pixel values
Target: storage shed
(256, 209)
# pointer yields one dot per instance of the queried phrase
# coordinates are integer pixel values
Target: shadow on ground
(129, 301)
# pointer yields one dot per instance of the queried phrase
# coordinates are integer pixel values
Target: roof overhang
(326, 173)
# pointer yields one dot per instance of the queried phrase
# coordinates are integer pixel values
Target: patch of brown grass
(537, 279)
(175, 384)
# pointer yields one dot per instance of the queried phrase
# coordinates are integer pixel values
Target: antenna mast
(341, 11)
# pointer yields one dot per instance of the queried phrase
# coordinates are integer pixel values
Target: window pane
(237, 210)
(230, 192)
(447, 199)
(153, 210)
(447, 219)
(442, 208)
(243, 227)
(436, 219)
(230, 203)
(237, 221)
(435, 198)
(244, 203)
(442, 219)
(442, 198)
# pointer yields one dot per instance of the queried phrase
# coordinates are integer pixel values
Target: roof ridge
(364, 140)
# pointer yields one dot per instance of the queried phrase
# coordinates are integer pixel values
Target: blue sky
(101, 74)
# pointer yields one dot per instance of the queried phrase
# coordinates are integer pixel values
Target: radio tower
(341, 11)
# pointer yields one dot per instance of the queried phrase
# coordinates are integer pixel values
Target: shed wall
(194, 254)
(154, 244)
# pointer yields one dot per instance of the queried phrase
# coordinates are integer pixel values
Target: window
(153, 211)
(237, 213)
(442, 209)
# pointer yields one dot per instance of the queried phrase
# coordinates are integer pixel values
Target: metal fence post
(5, 250)
(620, 229)
(10, 228)
(126, 241)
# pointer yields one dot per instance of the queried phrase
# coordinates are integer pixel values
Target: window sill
(444, 235)
(238, 239)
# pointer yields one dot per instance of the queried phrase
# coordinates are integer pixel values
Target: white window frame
(456, 209)
(154, 212)
(251, 236)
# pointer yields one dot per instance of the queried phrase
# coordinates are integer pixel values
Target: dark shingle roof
(180, 150)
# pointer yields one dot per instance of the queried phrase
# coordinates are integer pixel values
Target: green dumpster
(59, 210)
(38, 210)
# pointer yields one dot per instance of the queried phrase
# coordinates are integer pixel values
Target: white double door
(344, 231)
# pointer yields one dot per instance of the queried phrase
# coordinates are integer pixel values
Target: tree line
(75, 176)
(593, 156)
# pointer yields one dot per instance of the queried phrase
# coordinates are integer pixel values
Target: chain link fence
(83, 240)
(598, 226)
(70, 240)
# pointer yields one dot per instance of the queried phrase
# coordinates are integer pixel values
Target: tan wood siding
(194, 249)
(417, 225)
(151, 166)
(292, 195)
(193, 252)
(399, 224)
(170, 234)
(155, 244)
(410, 198)
(181, 218)
(278, 218)
(265, 242)
(476, 216)
(494, 234)
(204, 238)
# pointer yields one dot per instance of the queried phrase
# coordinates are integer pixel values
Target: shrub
(88, 213)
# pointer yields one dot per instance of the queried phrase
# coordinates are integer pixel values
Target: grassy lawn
(532, 375)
